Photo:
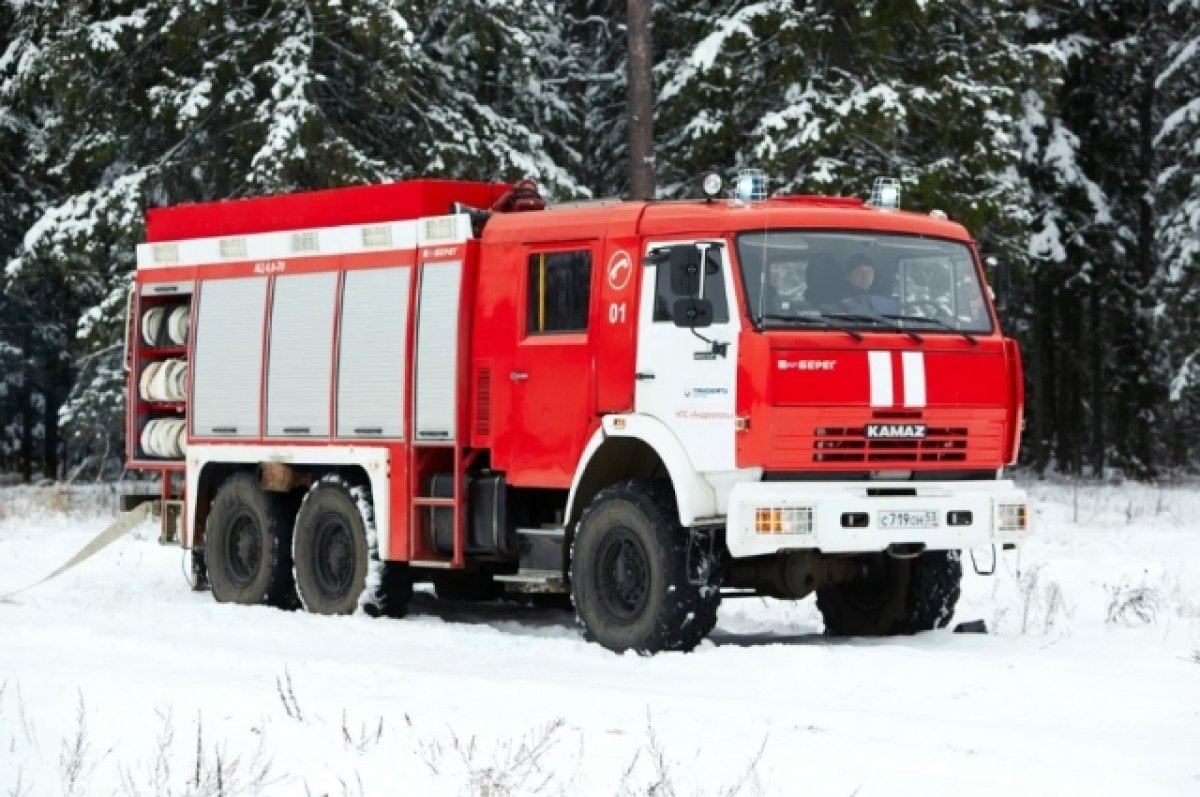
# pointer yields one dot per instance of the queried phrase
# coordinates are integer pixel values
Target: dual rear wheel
(322, 556)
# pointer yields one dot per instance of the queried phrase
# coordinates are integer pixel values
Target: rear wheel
(630, 577)
(894, 596)
(336, 555)
(248, 545)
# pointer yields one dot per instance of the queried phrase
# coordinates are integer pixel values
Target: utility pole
(641, 101)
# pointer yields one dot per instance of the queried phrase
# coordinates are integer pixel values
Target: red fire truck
(644, 405)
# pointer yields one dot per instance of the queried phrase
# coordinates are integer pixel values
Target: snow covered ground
(115, 678)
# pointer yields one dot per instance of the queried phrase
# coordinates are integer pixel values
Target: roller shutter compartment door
(300, 356)
(437, 351)
(228, 366)
(371, 354)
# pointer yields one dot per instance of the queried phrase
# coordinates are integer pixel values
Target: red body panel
(548, 391)
(366, 204)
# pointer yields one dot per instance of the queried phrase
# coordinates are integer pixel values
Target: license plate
(908, 519)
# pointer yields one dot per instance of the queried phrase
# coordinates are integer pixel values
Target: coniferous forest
(1064, 133)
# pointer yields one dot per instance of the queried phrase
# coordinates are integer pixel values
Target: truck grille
(850, 444)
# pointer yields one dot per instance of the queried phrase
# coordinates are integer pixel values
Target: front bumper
(848, 517)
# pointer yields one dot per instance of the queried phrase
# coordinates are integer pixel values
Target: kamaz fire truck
(644, 405)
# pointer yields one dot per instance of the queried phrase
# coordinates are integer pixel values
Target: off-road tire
(629, 579)
(248, 551)
(908, 596)
(335, 551)
(393, 593)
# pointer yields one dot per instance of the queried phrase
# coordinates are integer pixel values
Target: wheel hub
(623, 575)
(333, 556)
(243, 550)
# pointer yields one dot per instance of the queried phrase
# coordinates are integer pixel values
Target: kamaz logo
(896, 431)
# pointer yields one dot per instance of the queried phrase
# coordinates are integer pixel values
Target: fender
(374, 461)
(697, 501)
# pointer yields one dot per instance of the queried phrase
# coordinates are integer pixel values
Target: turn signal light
(783, 520)
(1012, 517)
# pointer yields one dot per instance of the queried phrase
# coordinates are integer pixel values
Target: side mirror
(692, 313)
(1001, 282)
(685, 270)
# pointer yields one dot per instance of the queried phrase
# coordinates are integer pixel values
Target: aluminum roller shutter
(228, 366)
(300, 356)
(371, 354)
(437, 351)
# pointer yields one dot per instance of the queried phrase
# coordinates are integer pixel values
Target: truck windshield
(861, 280)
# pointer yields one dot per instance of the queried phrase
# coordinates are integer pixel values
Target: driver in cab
(860, 277)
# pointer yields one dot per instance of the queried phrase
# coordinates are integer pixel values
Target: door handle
(519, 376)
(643, 376)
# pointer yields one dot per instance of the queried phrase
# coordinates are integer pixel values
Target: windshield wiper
(878, 319)
(937, 322)
(819, 318)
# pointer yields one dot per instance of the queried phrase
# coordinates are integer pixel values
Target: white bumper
(834, 508)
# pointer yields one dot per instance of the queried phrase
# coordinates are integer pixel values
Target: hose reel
(165, 380)
(162, 325)
(165, 437)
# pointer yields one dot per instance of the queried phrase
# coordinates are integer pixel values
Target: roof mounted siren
(751, 185)
(885, 194)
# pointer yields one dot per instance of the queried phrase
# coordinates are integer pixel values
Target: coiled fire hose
(165, 437)
(165, 380)
(166, 325)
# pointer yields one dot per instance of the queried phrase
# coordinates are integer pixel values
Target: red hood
(882, 403)
(923, 378)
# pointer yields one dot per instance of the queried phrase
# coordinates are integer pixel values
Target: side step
(541, 564)
(535, 582)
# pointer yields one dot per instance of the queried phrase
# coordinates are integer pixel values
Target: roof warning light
(885, 194)
(751, 185)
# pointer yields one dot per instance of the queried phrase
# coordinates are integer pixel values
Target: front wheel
(894, 596)
(630, 578)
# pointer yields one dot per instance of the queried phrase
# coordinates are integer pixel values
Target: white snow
(117, 676)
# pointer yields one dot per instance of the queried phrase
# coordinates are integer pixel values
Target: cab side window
(559, 290)
(714, 290)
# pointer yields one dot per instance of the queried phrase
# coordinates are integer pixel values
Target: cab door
(551, 381)
(686, 378)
